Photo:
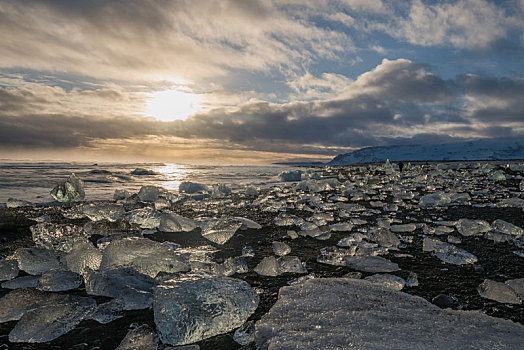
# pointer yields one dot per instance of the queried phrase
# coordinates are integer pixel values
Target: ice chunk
(469, 227)
(507, 228)
(17, 203)
(247, 223)
(497, 175)
(50, 322)
(498, 291)
(281, 248)
(22, 282)
(291, 264)
(144, 255)
(245, 334)
(71, 190)
(517, 285)
(142, 171)
(209, 267)
(56, 236)
(36, 260)
(8, 269)
(288, 220)
(110, 212)
(121, 194)
(386, 238)
(403, 228)
(220, 191)
(221, 230)
(269, 266)
(139, 338)
(251, 191)
(106, 227)
(108, 312)
(372, 264)
(197, 307)
(83, 257)
(291, 175)
(58, 280)
(248, 252)
(162, 203)
(145, 217)
(387, 280)
(127, 284)
(317, 314)
(412, 280)
(235, 265)
(448, 252)
(171, 222)
(435, 199)
(335, 256)
(341, 226)
(192, 187)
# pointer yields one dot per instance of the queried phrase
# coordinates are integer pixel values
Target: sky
(246, 81)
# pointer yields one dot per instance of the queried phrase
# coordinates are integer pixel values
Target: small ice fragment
(403, 228)
(197, 307)
(498, 291)
(139, 338)
(291, 264)
(248, 252)
(341, 226)
(235, 265)
(372, 264)
(292, 234)
(109, 311)
(412, 280)
(22, 282)
(435, 199)
(335, 256)
(469, 227)
(17, 203)
(387, 280)
(8, 269)
(221, 230)
(142, 171)
(58, 236)
(269, 266)
(36, 260)
(385, 238)
(292, 175)
(71, 190)
(83, 257)
(50, 322)
(517, 285)
(171, 222)
(150, 193)
(448, 252)
(507, 228)
(192, 187)
(251, 191)
(110, 212)
(245, 334)
(281, 248)
(247, 223)
(162, 203)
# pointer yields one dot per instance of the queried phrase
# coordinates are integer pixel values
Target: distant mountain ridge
(483, 149)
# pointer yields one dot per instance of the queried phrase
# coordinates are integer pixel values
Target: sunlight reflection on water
(172, 175)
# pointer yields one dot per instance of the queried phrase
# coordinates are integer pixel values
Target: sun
(171, 105)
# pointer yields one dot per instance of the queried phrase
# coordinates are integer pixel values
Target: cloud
(397, 101)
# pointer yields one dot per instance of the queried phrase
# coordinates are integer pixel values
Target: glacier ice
(269, 266)
(498, 291)
(403, 228)
(110, 212)
(171, 222)
(150, 193)
(109, 311)
(21, 282)
(71, 190)
(435, 199)
(507, 228)
(291, 175)
(139, 338)
(470, 227)
(448, 252)
(199, 306)
(8, 269)
(245, 334)
(372, 264)
(17, 203)
(281, 248)
(247, 223)
(235, 265)
(121, 194)
(335, 255)
(144, 217)
(142, 171)
(58, 280)
(387, 280)
(57, 236)
(251, 191)
(291, 264)
(221, 230)
(83, 257)
(37, 260)
(192, 187)
(317, 314)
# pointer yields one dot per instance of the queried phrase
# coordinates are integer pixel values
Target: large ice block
(221, 230)
(83, 257)
(110, 212)
(58, 236)
(71, 190)
(172, 222)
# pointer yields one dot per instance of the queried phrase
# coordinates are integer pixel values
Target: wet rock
(443, 301)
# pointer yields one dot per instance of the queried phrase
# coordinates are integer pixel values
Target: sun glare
(171, 105)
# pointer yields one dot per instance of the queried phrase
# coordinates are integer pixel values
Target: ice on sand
(221, 230)
(269, 266)
(372, 264)
(292, 175)
(200, 306)
(57, 236)
(192, 187)
(470, 227)
(281, 248)
(171, 222)
(50, 322)
(435, 199)
(139, 338)
(37, 260)
(8, 269)
(71, 190)
(501, 292)
(22, 282)
(448, 252)
(144, 255)
(17, 203)
(387, 280)
(403, 228)
(83, 257)
(245, 334)
(150, 193)
(110, 212)
(507, 228)
(145, 217)
(317, 314)
(109, 311)
(291, 264)
(58, 280)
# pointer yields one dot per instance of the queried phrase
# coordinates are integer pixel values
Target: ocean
(32, 181)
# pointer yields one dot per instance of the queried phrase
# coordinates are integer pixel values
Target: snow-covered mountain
(484, 149)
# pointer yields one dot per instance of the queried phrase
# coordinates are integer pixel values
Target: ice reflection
(172, 175)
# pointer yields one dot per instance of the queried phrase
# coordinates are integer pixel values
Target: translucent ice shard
(281, 248)
(17, 203)
(192, 187)
(291, 175)
(50, 322)
(235, 265)
(144, 255)
(57, 236)
(220, 230)
(435, 199)
(387, 280)
(197, 307)
(498, 291)
(291, 264)
(269, 266)
(251, 191)
(150, 193)
(403, 228)
(448, 252)
(121, 194)
(247, 223)
(71, 190)
(110, 212)
(171, 222)
(385, 238)
(145, 217)
(507, 228)
(245, 334)
(139, 338)
(36, 260)
(335, 256)
(58, 280)
(83, 257)
(470, 227)
(372, 264)
(8, 269)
